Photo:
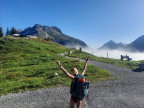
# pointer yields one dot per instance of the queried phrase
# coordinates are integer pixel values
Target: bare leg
(79, 103)
(72, 103)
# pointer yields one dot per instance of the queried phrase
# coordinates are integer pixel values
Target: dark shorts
(74, 99)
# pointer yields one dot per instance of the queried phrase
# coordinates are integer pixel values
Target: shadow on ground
(137, 70)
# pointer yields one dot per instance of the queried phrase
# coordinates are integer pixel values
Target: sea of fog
(115, 54)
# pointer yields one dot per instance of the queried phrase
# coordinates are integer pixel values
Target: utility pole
(80, 49)
(92, 55)
(107, 54)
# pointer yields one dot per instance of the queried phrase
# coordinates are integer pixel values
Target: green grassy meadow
(29, 64)
(123, 63)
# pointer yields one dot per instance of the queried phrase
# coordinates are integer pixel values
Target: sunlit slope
(28, 64)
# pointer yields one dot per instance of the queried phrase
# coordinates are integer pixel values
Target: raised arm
(85, 66)
(65, 72)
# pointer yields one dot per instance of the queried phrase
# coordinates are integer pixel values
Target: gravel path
(125, 92)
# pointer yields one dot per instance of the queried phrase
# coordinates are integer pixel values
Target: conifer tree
(13, 31)
(7, 31)
(1, 32)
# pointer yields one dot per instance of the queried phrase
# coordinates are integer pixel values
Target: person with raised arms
(79, 85)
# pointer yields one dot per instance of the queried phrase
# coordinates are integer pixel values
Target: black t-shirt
(73, 86)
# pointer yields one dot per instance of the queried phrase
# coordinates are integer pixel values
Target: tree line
(8, 32)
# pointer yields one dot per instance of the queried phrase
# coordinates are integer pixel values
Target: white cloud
(115, 54)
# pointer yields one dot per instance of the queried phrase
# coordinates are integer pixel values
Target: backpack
(80, 87)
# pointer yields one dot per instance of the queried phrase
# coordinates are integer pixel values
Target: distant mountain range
(53, 33)
(136, 45)
(112, 45)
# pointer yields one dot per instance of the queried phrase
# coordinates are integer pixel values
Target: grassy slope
(31, 64)
(122, 63)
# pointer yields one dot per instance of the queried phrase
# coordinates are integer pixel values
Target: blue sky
(92, 21)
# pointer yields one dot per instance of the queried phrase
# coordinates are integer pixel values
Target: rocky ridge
(53, 33)
(136, 45)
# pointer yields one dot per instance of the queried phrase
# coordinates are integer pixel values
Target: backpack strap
(73, 87)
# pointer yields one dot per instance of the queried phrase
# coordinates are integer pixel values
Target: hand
(58, 62)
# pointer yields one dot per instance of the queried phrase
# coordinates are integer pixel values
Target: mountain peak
(112, 45)
(53, 33)
(37, 26)
(111, 41)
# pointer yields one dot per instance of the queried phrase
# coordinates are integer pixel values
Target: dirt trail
(125, 92)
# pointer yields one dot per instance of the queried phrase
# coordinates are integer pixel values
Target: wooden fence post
(80, 49)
